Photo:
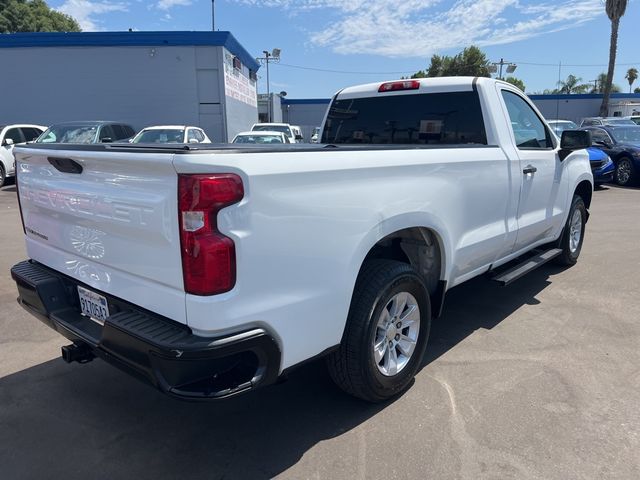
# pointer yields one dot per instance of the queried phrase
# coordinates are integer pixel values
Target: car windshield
(160, 135)
(275, 128)
(560, 127)
(258, 139)
(69, 134)
(626, 134)
(618, 121)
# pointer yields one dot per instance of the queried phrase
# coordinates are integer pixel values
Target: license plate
(93, 305)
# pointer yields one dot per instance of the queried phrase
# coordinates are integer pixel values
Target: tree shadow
(91, 421)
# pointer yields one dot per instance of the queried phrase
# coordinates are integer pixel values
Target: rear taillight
(401, 85)
(208, 257)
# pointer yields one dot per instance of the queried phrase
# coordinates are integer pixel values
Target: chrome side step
(530, 264)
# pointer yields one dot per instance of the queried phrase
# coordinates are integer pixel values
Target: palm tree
(615, 10)
(572, 85)
(631, 76)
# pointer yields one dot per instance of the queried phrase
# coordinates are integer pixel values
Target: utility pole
(273, 56)
(213, 15)
(267, 55)
(493, 67)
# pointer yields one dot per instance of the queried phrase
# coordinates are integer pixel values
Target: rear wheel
(386, 333)
(3, 176)
(625, 172)
(573, 235)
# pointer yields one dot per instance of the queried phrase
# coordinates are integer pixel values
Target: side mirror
(8, 142)
(299, 137)
(574, 140)
(193, 140)
(106, 140)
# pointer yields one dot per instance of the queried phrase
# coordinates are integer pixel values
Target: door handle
(529, 169)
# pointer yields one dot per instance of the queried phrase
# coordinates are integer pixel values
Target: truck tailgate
(108, 219)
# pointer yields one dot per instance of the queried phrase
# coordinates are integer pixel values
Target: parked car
(171, 134)
(635, 119)
(261, 137)
(559, 126)
(315, 136)
(87, 132)
(602, 166)
(600, 121)
(277, 127)
(214, 273)
(622, 144)
(11, 135)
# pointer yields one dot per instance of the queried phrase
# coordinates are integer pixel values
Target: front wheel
(625, 172)
(386, 333)
(573, 234)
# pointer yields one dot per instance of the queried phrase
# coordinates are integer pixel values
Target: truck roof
(426, 85)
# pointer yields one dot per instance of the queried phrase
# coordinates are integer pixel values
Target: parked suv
(11, 135)
(87, 132)
(278, 127)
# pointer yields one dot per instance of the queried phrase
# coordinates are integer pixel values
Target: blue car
(602, 166)
(622, 144)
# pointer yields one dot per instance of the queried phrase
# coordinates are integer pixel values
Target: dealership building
(205, 79)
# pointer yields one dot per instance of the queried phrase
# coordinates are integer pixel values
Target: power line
(342, 71)
(406, 72)
(576, 64)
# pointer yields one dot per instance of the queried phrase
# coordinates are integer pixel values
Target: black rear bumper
(150, 347)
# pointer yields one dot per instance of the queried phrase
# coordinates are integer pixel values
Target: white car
(214, 271)
(11, 135)
(262, 137)
(278, 127)
(171, 134)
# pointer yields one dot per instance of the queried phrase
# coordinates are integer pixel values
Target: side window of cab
(528, 129)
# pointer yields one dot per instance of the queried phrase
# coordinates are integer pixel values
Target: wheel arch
(585, 190)
(421, 244)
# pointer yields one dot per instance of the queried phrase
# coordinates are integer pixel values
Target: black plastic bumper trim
(164, 353)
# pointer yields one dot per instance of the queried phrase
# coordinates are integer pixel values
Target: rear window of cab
(419, 119)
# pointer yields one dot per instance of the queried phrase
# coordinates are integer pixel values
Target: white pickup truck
(210, 270)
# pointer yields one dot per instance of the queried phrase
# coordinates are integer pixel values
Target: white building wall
(138, 85)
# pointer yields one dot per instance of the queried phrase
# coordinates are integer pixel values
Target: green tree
(615, 10)
(470, 62)
(33, 16)
(600, 83)
(631, 76)
(636, 90)
(515, 81)
(572, 85)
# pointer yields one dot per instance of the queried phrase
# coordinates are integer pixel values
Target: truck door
(540, 210)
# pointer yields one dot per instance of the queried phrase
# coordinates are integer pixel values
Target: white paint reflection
(88, 242)
(86, 272)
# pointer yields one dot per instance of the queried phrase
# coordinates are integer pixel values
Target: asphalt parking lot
(539, 380)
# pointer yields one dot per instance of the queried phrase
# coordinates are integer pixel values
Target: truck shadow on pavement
(91, 421)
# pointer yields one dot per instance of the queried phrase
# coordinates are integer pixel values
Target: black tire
(353, 366)
(3, 176)
(625, 173)
(571, 252)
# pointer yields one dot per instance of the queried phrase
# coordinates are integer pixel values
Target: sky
(327, 45)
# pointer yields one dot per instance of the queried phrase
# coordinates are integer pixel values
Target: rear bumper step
(150, 347)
